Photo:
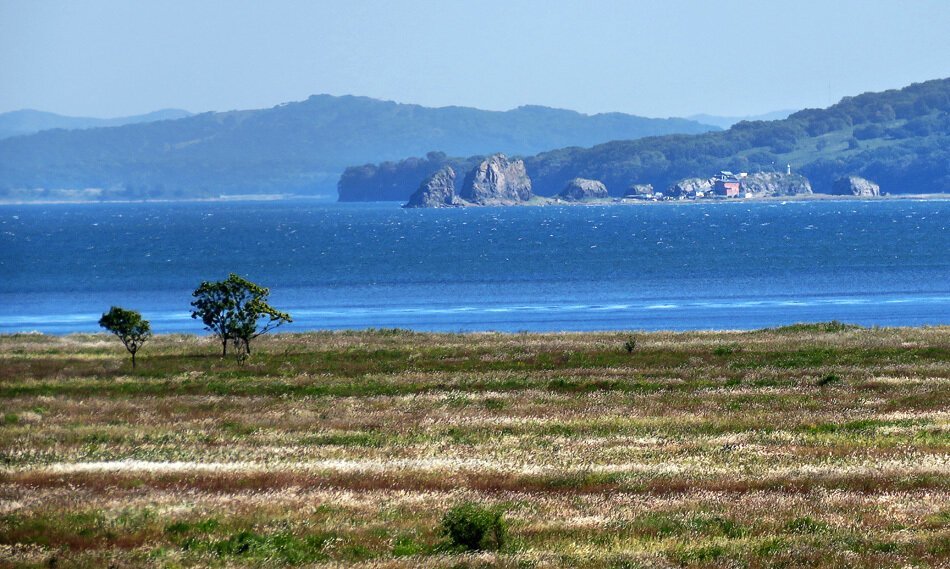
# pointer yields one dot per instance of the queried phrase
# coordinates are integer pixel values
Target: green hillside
(298, 148)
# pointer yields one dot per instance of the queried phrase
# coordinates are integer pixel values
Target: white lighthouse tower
(788, 169)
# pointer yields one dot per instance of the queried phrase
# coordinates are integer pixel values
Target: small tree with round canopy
(128, 326)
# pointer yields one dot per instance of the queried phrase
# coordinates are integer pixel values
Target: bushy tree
(128, 326)
(236, 309)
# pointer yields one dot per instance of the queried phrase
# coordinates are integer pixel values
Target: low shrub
(472, 527)
(725, 350)
(828, 380)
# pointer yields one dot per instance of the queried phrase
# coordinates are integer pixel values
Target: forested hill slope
(898, 138)
(29, 121)
(292, 148)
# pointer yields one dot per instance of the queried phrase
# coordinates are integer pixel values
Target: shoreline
(537, 202)
(219, 199)
(720, 200)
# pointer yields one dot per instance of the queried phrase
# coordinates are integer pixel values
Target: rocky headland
(497, 181)
(774, 184)
(755, 185)
(580, 189)
(855, 186)
(494, 181)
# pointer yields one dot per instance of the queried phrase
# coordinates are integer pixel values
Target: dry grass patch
(817, 446)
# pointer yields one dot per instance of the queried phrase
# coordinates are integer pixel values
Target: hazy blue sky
(655, 58)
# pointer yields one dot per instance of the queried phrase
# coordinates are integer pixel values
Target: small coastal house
(726, 184)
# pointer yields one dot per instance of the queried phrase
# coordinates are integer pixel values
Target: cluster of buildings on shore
(725, 184)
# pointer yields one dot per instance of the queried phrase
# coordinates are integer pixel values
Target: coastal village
(500, 181)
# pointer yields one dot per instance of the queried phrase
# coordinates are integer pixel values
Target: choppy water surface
(691, 266)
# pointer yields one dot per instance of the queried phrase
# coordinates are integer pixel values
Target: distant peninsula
(899, 139)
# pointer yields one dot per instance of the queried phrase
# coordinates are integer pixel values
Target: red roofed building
(726, 184)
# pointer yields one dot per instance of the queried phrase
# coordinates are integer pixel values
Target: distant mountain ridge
(29, 121)
(899, 139)
(725, 122)
(293, 148)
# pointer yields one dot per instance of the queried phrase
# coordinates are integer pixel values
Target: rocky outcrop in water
(438, 190)
(768, 184)
(497, 181)
(583, 189)
(855, 186)
(689, 187)
(639, 190)
(758, 185)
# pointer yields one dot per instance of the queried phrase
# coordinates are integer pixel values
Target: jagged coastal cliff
(500, 181)
(494, 181)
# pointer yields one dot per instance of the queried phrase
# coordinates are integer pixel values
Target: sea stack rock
(583, 189)
(767, 184)
(855, 186)
(438, 190)
(497, 181)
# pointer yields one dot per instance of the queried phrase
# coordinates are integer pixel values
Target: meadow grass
(818, 445)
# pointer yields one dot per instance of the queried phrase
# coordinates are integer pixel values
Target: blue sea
(735, 265)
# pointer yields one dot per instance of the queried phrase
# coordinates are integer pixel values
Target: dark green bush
(630, 345)
(828, 380)
(725, 350)
(471, 527)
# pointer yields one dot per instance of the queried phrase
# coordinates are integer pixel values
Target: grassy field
(806, 446)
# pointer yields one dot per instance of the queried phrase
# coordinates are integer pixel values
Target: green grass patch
(831, 327)
(347, 439)
(407, 546)
(284, 547)
(805, 525)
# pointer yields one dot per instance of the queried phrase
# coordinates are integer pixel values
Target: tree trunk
(224, 347)
(133, 360)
